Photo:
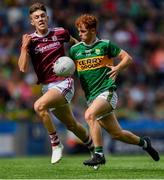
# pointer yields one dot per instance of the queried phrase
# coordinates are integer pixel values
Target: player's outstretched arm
(24, 56)
(125, 61)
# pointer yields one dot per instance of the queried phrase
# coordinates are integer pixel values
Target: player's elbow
(126, 57)
(22, 68)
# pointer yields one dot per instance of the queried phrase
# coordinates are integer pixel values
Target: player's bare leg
(57, 147)
(68, 119)
(112, 126)
(107, 119)
(41, 106)
(95, 130)
(61, 109)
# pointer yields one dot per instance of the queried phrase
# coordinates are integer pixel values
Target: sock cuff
(142, 142)
(87, 140)
(99, 149)
(54, 133)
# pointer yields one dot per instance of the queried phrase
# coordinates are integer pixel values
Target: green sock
(142, 143)
(99, 150)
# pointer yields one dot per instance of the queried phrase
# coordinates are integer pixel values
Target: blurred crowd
(135, 25)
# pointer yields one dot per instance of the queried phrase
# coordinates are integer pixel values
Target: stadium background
(135, 25)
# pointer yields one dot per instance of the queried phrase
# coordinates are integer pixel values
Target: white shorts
(66, 87)
(110, 96)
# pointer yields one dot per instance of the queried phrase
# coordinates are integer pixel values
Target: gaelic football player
(44, 47)
(97, 73)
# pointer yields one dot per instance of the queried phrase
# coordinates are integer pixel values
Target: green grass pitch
(71, 167)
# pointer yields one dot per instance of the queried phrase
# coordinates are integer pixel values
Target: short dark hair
(37, 6)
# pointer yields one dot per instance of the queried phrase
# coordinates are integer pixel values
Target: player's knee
(39, 107)
(89, 117)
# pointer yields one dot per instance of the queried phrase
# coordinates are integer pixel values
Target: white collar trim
(38, 35)
(92, 43)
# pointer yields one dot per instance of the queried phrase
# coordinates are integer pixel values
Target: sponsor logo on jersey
(78, 54)
(97, 51)
(93, 63)
(43, 49)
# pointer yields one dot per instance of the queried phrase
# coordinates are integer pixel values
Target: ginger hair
(88, 20)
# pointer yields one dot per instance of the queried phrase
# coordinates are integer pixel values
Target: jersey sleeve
(71, 53)
(30, 49)
(113, 50)
(62, 34)
(66, 35)
(72, 56)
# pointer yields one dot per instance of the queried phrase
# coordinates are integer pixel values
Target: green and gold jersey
(91, 61)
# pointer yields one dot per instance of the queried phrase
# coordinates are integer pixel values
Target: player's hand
(26, 38)
(113, 72)
(73, 41)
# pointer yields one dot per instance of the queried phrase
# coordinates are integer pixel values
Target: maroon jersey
(45, 50)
